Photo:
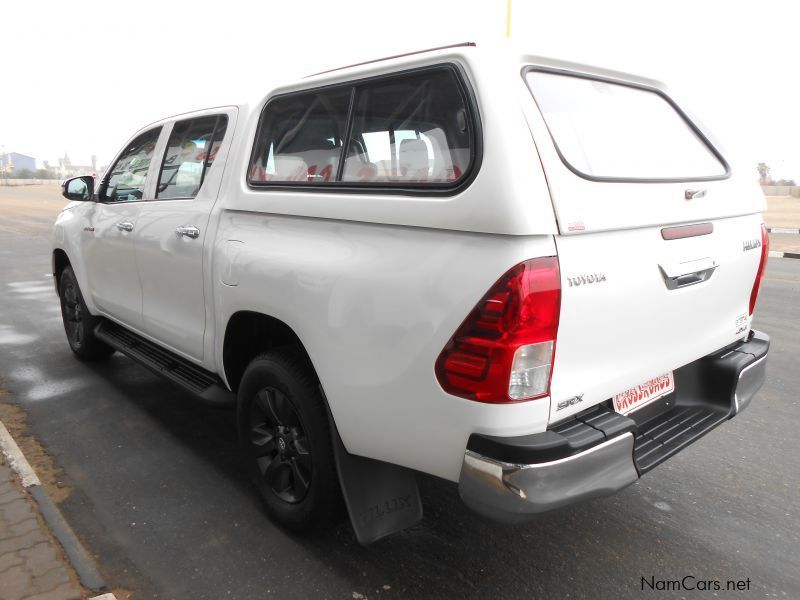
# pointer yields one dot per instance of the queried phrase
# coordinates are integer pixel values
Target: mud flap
(381, 498)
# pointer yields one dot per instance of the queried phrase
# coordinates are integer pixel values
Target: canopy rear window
(617, 132)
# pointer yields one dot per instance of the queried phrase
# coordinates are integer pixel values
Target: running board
(195, 380)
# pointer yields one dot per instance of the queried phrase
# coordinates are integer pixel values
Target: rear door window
(611, 131)
(191, 149)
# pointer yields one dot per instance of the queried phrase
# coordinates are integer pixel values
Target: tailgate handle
(684, 274)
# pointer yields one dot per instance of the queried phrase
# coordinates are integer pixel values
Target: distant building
(14, 161)
(67, 169)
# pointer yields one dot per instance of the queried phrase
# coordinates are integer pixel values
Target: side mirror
(78, 188)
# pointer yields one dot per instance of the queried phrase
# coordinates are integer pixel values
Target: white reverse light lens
(530, 371)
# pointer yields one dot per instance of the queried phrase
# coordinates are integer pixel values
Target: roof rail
(367, 62)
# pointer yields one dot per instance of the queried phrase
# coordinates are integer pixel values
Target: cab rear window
(610, 131)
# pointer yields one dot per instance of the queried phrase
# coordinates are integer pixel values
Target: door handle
(189, 231)
(688, 273)
(125, 226)
(692, 194)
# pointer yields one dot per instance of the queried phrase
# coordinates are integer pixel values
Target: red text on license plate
(642, 395)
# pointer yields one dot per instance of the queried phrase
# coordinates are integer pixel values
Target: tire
(285, 436)
(79, 324)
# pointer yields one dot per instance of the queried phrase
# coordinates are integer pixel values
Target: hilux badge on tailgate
(751, 245)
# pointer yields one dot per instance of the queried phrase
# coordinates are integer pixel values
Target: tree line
(29, 174)
(764, 178)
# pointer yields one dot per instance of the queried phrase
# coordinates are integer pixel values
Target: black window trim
(348, 132)
(370, 187)
(614, 179)
(107, 176)
(206, 166)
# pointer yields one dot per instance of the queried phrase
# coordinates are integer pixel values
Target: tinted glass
(411, 129)
(300, 138)
(127, 177)
(617, 131)
(191, 149)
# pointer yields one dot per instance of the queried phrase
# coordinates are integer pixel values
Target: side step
(195, 380)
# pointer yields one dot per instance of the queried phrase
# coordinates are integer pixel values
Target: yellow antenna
(508, 18)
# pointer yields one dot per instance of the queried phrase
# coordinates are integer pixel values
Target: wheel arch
(60, 262)
(250, 333)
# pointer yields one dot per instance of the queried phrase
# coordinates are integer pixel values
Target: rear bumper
(599, 451)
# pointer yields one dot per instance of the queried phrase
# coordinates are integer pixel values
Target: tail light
(504, 349)
(761, 266)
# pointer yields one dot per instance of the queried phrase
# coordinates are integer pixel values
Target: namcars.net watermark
(690, 583)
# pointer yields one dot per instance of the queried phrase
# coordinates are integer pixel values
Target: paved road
(157, 492)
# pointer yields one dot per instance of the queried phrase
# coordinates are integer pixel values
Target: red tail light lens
(504, 349)
(761, 266)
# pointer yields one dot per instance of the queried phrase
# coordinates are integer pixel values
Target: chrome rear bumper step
(600, 451)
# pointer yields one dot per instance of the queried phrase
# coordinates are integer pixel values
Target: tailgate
(621, 324)
(660, 239)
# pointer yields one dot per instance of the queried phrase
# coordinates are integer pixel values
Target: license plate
(642, 395)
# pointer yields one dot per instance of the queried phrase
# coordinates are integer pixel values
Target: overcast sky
(82, 76)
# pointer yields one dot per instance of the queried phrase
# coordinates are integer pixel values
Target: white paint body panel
(620, 332)
(374, 305)
(374, 284)
(171, 267)
(110, 267)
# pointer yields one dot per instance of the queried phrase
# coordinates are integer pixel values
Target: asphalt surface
(157, 493)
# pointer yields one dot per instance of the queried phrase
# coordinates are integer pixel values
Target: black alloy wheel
(73, 313)
(280, 446)
(79, 323)
(285, 436)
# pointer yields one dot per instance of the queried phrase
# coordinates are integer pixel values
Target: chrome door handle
(125, 226)
(692, 194)
(688, 273)
(189, 231)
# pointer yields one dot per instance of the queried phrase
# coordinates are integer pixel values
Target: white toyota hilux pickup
(530, 277)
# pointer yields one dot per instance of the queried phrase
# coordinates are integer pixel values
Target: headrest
(413, 154)
(290, 168)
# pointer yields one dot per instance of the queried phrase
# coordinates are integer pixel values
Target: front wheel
(286, 438)
(79, 324)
